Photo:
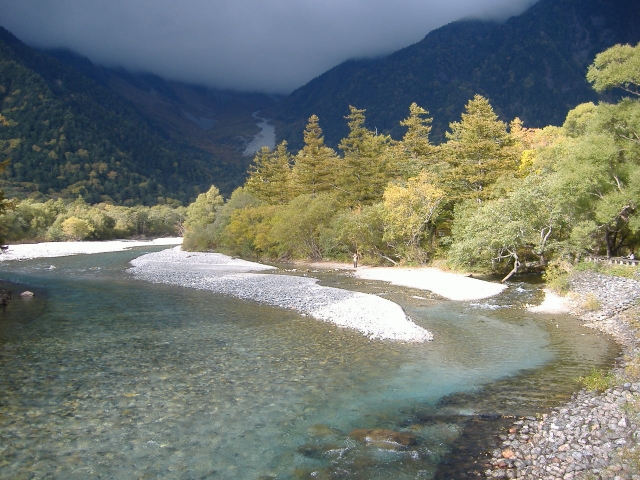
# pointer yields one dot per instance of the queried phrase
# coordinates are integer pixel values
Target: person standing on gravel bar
(355, 260)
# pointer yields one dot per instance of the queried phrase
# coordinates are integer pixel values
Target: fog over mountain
(273, 46)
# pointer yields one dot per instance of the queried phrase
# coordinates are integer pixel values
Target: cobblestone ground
(595, 435)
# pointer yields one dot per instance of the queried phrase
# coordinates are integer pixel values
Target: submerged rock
(382, 437)
(5, 297)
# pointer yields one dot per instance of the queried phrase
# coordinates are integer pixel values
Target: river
(266, 137)
(103, 376)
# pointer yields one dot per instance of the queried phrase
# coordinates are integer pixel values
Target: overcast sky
(261, 45)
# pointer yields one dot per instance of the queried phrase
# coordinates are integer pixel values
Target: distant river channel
(104, 376)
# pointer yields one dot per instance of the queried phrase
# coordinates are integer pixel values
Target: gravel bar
(375, 317)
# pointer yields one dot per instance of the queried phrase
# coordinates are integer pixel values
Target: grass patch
(598, 380)
(591, 303)
(556, 276)
(626, 271)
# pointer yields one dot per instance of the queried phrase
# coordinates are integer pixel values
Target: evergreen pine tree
(314, 168)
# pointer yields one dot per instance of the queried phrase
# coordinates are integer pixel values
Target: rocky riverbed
(596, 434)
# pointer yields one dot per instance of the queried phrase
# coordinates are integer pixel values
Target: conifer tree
(269, 175)
(314, 168)
(415, 152)
(478, 150)
(365, 170)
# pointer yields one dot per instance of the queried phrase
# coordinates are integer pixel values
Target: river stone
(591, 433)
(383, 437)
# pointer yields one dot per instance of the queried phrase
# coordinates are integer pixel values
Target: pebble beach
(595, 435)
(27, 251)
(375, 317)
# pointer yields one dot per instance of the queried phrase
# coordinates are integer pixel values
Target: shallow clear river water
(103, 376)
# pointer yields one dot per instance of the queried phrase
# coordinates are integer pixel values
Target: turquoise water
(103, 376)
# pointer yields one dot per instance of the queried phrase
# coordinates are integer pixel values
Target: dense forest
(495, 197)
(67, 136)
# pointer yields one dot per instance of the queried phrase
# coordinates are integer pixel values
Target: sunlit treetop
(618, 66)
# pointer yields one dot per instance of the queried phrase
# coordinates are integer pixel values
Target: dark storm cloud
(266, 45)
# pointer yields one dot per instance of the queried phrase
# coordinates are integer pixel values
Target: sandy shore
(552, 303)
(28, 251)
(448, 285)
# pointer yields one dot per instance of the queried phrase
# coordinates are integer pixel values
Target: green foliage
(59, 220)
(202, 212)
(297, 226)
(314, 170)
(556, 276)
(67, 136)
(618, 66)
(249, 231)
(499, 198)
(415, 152)
(270, 175)
(596, 180)
(598, 380)
(359, 230)
(409, 214)
(504, 232)
(214, 235)
(478, 151)
(75, 228)
(625, 271)
(365, 169)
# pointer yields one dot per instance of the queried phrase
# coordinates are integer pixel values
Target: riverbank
(449, 285)
(595, 435)
(373, 316)
(453, 286)
(28, 251)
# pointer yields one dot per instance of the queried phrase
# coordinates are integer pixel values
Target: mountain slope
(532, 66)
(66, 133)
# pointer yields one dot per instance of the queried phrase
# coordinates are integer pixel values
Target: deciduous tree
(202, 211)
(618, 66)
(409, 211)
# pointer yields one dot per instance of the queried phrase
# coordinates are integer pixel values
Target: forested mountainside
(66, 132)
(215, 121)
(532, 66)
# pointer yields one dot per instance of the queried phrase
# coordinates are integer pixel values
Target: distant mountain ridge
(532, 66)
(70, 128)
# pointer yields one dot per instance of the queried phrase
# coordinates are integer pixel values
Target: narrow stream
(266, 137)
(107, 377)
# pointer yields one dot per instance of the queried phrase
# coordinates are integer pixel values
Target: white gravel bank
(552, 303)
(26, 251)
(375, 317)
(448, 285)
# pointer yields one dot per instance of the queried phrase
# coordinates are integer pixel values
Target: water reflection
(103, 376)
